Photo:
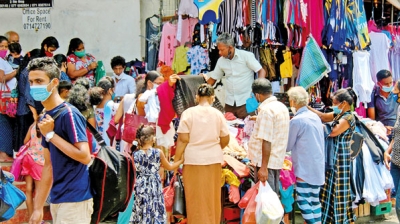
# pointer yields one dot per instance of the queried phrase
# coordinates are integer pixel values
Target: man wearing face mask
(125, 84)
(268, 141)
(383, 106)
(66, 151)
(306, 142)
(239, 67)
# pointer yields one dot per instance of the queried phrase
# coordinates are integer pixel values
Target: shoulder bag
(5, 97)
(131, 123)
(112, 178)
(16, 166)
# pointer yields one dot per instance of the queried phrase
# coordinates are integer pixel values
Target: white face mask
(155, 86)
(293, 109)
(117, 77)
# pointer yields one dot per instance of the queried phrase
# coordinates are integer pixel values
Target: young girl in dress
(149, 201)
(32, 164)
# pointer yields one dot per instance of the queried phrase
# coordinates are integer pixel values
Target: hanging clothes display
(198, 59)
(334, 33)
(380, 45)
(187, 7)
(153, 37)
(268, 60)
(313, 19)
(180, 63)
(313, 65)
(361, 25)
(395, 59)
(185, 29)
(231, 16)
(167, 44)
(362, 81)
(208, 10)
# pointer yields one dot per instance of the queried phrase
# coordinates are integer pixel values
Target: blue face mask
(387, 89)
(40, 93)
(336, 109)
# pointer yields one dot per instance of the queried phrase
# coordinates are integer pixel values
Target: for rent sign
(36, 19)
(26, 3)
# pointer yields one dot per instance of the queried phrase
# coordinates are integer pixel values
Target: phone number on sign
(34, 26)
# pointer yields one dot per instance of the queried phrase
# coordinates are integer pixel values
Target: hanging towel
(313, 64)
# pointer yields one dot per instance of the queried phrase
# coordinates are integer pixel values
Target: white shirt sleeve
(5, 66)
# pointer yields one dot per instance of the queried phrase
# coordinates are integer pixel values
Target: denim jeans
(395, 171)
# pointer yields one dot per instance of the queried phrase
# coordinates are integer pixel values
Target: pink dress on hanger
(313, 19)
(168, 43)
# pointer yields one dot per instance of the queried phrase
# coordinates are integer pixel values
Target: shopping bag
(246, 198)
(169, 193)
(100, 72)
(251, 104)
(131, 123)
(249, 215)
(16, 167)
(179, 207)
(269, 209)
(5, 97)
(10, 196)
(12, 105)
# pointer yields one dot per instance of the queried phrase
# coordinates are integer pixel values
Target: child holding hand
(149, 200)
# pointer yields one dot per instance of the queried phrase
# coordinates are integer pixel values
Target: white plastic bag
(269, 209)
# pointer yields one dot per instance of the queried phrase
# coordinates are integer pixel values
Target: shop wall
(107, 27)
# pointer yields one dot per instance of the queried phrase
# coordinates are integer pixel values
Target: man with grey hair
(66, 151)
(239, 67)
(268, 141)
(13, 37)
(306, 142)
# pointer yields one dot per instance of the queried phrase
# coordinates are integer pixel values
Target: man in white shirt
(124, 83)
(239, 67)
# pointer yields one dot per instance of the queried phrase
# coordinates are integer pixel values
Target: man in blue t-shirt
(383, 106)
(66, 151)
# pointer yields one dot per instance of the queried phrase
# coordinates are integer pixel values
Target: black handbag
(179, 207)
(356, 141)
(356, 144)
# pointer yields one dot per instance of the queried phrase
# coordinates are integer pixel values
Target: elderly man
(306, 142)
(13, 37)
(238, 66)
(267, 144)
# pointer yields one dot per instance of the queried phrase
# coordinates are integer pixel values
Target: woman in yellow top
(203, 133)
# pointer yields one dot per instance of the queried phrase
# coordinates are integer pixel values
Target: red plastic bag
(246, 198)
(249, 216)
(169, 193)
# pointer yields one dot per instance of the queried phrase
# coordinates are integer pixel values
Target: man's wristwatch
(49, 136)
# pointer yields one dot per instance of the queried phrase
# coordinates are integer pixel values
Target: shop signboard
(36, 19)
(26, 3)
